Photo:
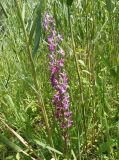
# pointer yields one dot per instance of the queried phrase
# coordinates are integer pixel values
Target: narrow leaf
(12, 145)
(109, 5)
(3, 9)
(6, 141)
(32, 31)
(37, 30)
(23, 11)
(47, 147)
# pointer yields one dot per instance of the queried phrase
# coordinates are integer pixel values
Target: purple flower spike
(59, 78)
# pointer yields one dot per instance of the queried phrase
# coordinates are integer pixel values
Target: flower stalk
(59, 79)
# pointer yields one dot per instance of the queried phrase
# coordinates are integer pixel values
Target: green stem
(80, 84)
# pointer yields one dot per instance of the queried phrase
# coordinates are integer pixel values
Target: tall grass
(28, 127)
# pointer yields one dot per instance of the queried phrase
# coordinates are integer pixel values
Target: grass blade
(12, 145)
(47, 147)
(37, 30)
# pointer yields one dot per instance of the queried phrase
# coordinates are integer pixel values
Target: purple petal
(52, 47)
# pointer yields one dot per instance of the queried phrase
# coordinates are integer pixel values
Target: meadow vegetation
(29, 128)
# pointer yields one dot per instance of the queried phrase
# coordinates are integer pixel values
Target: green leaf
(23, 12)
(11, 104)
(3, 9)
(9, 158)
(81, 63)
(9, 101)
(12, 145)
(73, 154)
(81, 32)
(69, 2)
(109, 5)
(37, 30)
(18, 156)
(32, 31)
(47, 147)
(104, 147)
(33, 26)
(85, 71)
(7, 142)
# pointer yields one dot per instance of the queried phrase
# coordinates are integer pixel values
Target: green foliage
(91, 42)
(37, 29)
(10, 144)
(69, 2)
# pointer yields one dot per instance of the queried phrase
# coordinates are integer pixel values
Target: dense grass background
(91, 41)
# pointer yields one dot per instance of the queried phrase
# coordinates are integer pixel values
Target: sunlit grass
(91, 41)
